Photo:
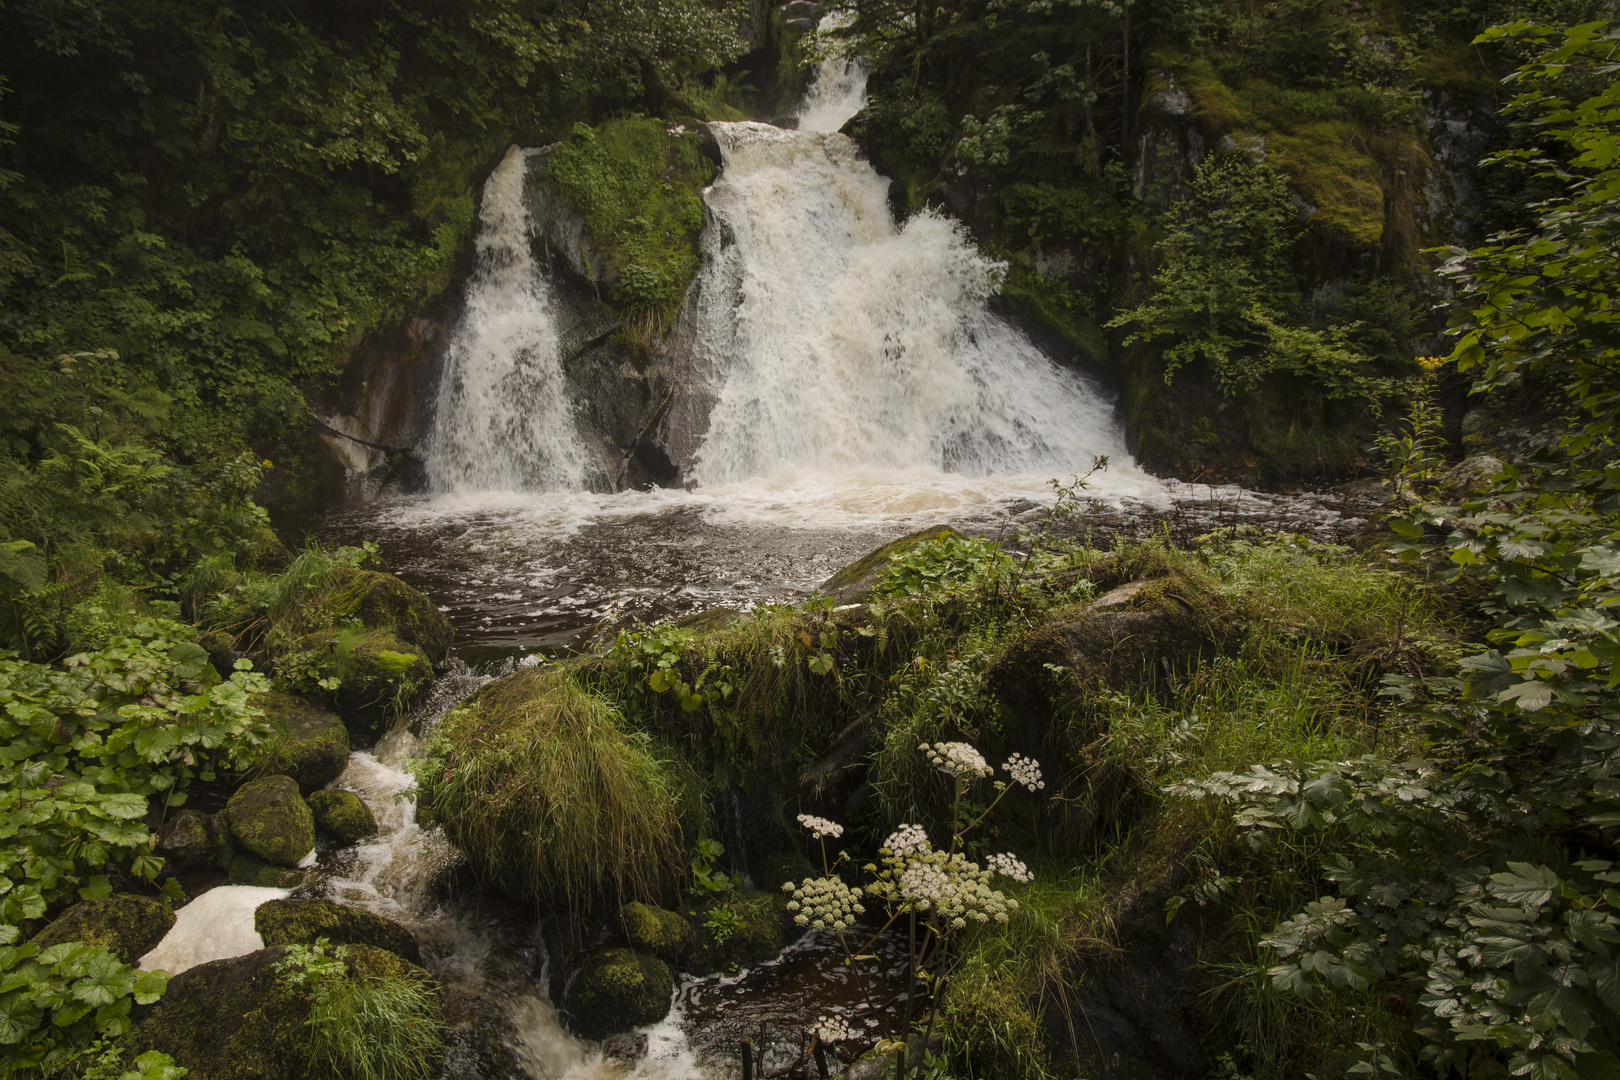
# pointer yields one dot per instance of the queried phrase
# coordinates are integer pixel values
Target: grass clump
(638, 182)
(538, 781)
(371, 1016)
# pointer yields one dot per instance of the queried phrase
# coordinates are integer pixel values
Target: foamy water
(216, 926)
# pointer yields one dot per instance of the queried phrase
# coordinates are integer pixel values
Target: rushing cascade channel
(505, 419)
(849, 344)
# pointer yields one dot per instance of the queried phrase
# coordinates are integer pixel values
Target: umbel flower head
(1025, 771)
(821, 828)
(1010, 866)
(831, 1029)
(956, 759)
(910, 876)
(823, 903)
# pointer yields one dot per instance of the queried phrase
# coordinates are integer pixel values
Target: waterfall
(848, 344)
(505, 419)
(839, 91)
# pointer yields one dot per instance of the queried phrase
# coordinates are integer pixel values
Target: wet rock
(270, 819)
(231, 1020)
(302, 922)
(1469, 475)
(628, 1047)
(664, 934)
(856, 580)
(383, 602)
(617, 990)
(244, 869)
(382, 674)
(192, 838)
(756, 928)
(774, 871)
(308, 743)
(1139, 631)
(342, 815)
(129, 926)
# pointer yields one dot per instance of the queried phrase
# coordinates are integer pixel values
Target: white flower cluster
(905, 841)
(1010, 866)
(831, 1029)
(956, 759)
(820, 827)
(945, 885)
(824, 903)
(1026, 771)
(925, 886)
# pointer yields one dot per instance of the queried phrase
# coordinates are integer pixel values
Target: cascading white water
(505, 419)
(850, 345)
(839, 90)
(215, 926)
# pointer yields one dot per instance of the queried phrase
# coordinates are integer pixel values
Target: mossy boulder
(654, 930)
(617, 990)
(245, 869)
(855, 581)
(129, 926)
(756, 928)
(302, 922)
(307, 743)
(192, 838)
(230, 1019)
(382, 674)
(382, 601)
(1136, 633)
(269, 818)
(342, 815)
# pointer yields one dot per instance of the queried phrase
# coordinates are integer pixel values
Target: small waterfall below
(505, 418)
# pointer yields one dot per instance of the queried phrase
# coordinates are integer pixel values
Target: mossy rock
(383, 602)
(308, 743)
(382, 675)
(129, 926)
(230, 1019)
(654, 930)
(244, 869)
(617, 990)
(763, 930)
(302, 922)
(855, 581)
(269, 818)
(1136, 633)
(192, 838)
(777, 870)
(342, 815)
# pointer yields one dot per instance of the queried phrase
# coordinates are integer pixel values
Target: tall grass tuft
(539, 784)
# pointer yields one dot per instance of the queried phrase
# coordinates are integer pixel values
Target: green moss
(231, 1020)
(383, 602)
(192, 838)
(1054, 303)
(245, 869)
(270, 819)
(857, 579)
(343, 815)
(760, 930)
(307, 743)
(129, 926)
(382, 675)
(639, 188)
(618, 990)
(664, 934)
(303, 922)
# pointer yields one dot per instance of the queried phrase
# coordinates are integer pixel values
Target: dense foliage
(1481, 875)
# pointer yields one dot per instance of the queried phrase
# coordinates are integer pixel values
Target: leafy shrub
(56, 1002)
(90, 743)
